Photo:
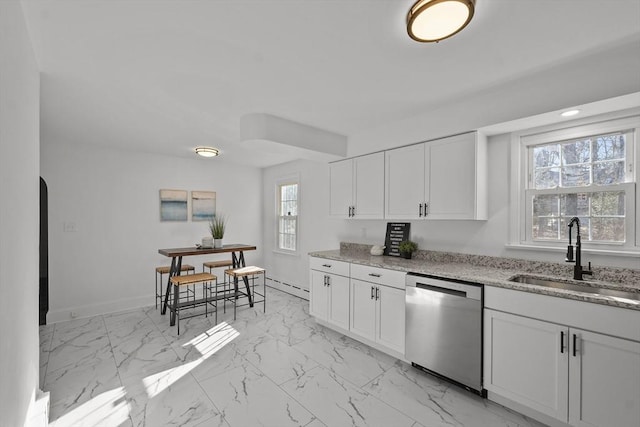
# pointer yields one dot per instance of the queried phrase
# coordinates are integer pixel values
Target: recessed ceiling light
(207, 151)
(569, 113)
(435, 20)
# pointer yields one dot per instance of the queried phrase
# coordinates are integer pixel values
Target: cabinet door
(338, 301)
(524, 362)
(368, 191)
(363, 309)
(404, 182)
(340, 188)
(604, 381)
(451, 177)
(390, 319)
(318, 301)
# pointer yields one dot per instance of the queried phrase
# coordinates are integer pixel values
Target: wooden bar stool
(206, 279)
(165, 270)
(248, 275)
(220, 264)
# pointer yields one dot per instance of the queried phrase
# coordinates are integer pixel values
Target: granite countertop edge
(488, 276)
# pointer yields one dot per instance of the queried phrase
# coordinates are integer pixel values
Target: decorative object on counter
(203, 205)
(217, 225)
(396, 233)
(377, 250)
(406, 248)
(207, 242)
(173, 205)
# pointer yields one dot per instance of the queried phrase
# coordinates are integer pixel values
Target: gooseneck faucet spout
(577, 269)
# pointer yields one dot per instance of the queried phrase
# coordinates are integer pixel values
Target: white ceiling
(166, 76)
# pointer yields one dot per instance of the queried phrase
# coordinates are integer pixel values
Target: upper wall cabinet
(356, 187)
(441, 179)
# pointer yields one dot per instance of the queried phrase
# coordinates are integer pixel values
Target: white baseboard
(288, 288)
(79, 312)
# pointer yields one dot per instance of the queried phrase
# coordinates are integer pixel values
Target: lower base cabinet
(579, 377)
(377, 313)
(329, 295)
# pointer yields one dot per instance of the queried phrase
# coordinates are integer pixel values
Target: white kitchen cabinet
(378, 305)
(356, 187)
(329, 291)
(525, 362)
(573, 375)
(604, 380)
(440, 179)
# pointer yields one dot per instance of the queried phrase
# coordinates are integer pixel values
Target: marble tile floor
(277, 368)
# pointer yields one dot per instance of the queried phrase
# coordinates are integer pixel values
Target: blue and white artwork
(203, 205)
(173, 205)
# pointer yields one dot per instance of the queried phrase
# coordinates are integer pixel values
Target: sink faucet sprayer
(577, 269)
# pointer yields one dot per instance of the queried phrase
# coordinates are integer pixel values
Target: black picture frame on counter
(396, 233)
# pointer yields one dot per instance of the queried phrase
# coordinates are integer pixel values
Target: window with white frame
(287, 215)
(587, 172)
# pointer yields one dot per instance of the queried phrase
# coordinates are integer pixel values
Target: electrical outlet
(69, 227)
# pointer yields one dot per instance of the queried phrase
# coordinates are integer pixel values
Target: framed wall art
(203, 205)
(173, 205)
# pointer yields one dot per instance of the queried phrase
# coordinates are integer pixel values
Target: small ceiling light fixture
(569, 113)
(435, 20)
(207, 151)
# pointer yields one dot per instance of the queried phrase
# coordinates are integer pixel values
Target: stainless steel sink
(548, 283)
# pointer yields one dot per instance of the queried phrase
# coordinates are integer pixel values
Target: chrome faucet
(577, 269)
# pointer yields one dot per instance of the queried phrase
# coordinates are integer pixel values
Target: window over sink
(586, 170)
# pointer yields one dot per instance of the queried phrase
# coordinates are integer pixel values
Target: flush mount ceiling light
(569, 113)
(435, 20)
(207, 151)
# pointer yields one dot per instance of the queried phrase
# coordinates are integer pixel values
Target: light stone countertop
(465, 267)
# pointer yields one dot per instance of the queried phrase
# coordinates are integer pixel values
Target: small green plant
(217, 225)
(407, 247)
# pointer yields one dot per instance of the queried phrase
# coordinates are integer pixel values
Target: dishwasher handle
(440, 290)
(441, 285)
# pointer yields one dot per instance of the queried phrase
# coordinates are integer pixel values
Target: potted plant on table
(217, 225)
(406, 248)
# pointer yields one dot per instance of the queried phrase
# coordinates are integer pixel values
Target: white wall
(19, 217)
(316, 231)
(112, 197)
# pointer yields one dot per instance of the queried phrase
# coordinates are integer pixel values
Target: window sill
(609, 252)
(288, 253)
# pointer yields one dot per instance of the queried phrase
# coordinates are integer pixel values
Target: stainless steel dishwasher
(444, 328)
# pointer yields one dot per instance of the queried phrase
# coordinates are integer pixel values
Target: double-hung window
(287, 215)
(586, 171)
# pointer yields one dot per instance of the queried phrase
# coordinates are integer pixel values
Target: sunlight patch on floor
(107, 409)
(207, 343)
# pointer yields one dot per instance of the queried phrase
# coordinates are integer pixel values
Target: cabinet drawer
(329, 266)
(381, 276)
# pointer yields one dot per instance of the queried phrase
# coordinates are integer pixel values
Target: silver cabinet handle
(420, 215)
(372, 293)
(326, 265)
(426, 209)
(377, 293)
(374, 275)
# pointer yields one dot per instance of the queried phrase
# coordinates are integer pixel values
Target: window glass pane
(576, 204)
(609, 147)
(576, 152)
(546, 156)
(607, 173)
(545, 205)
(610, 203)
(546, 178)
(607, 229)
(576, 176)
(545, 228)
